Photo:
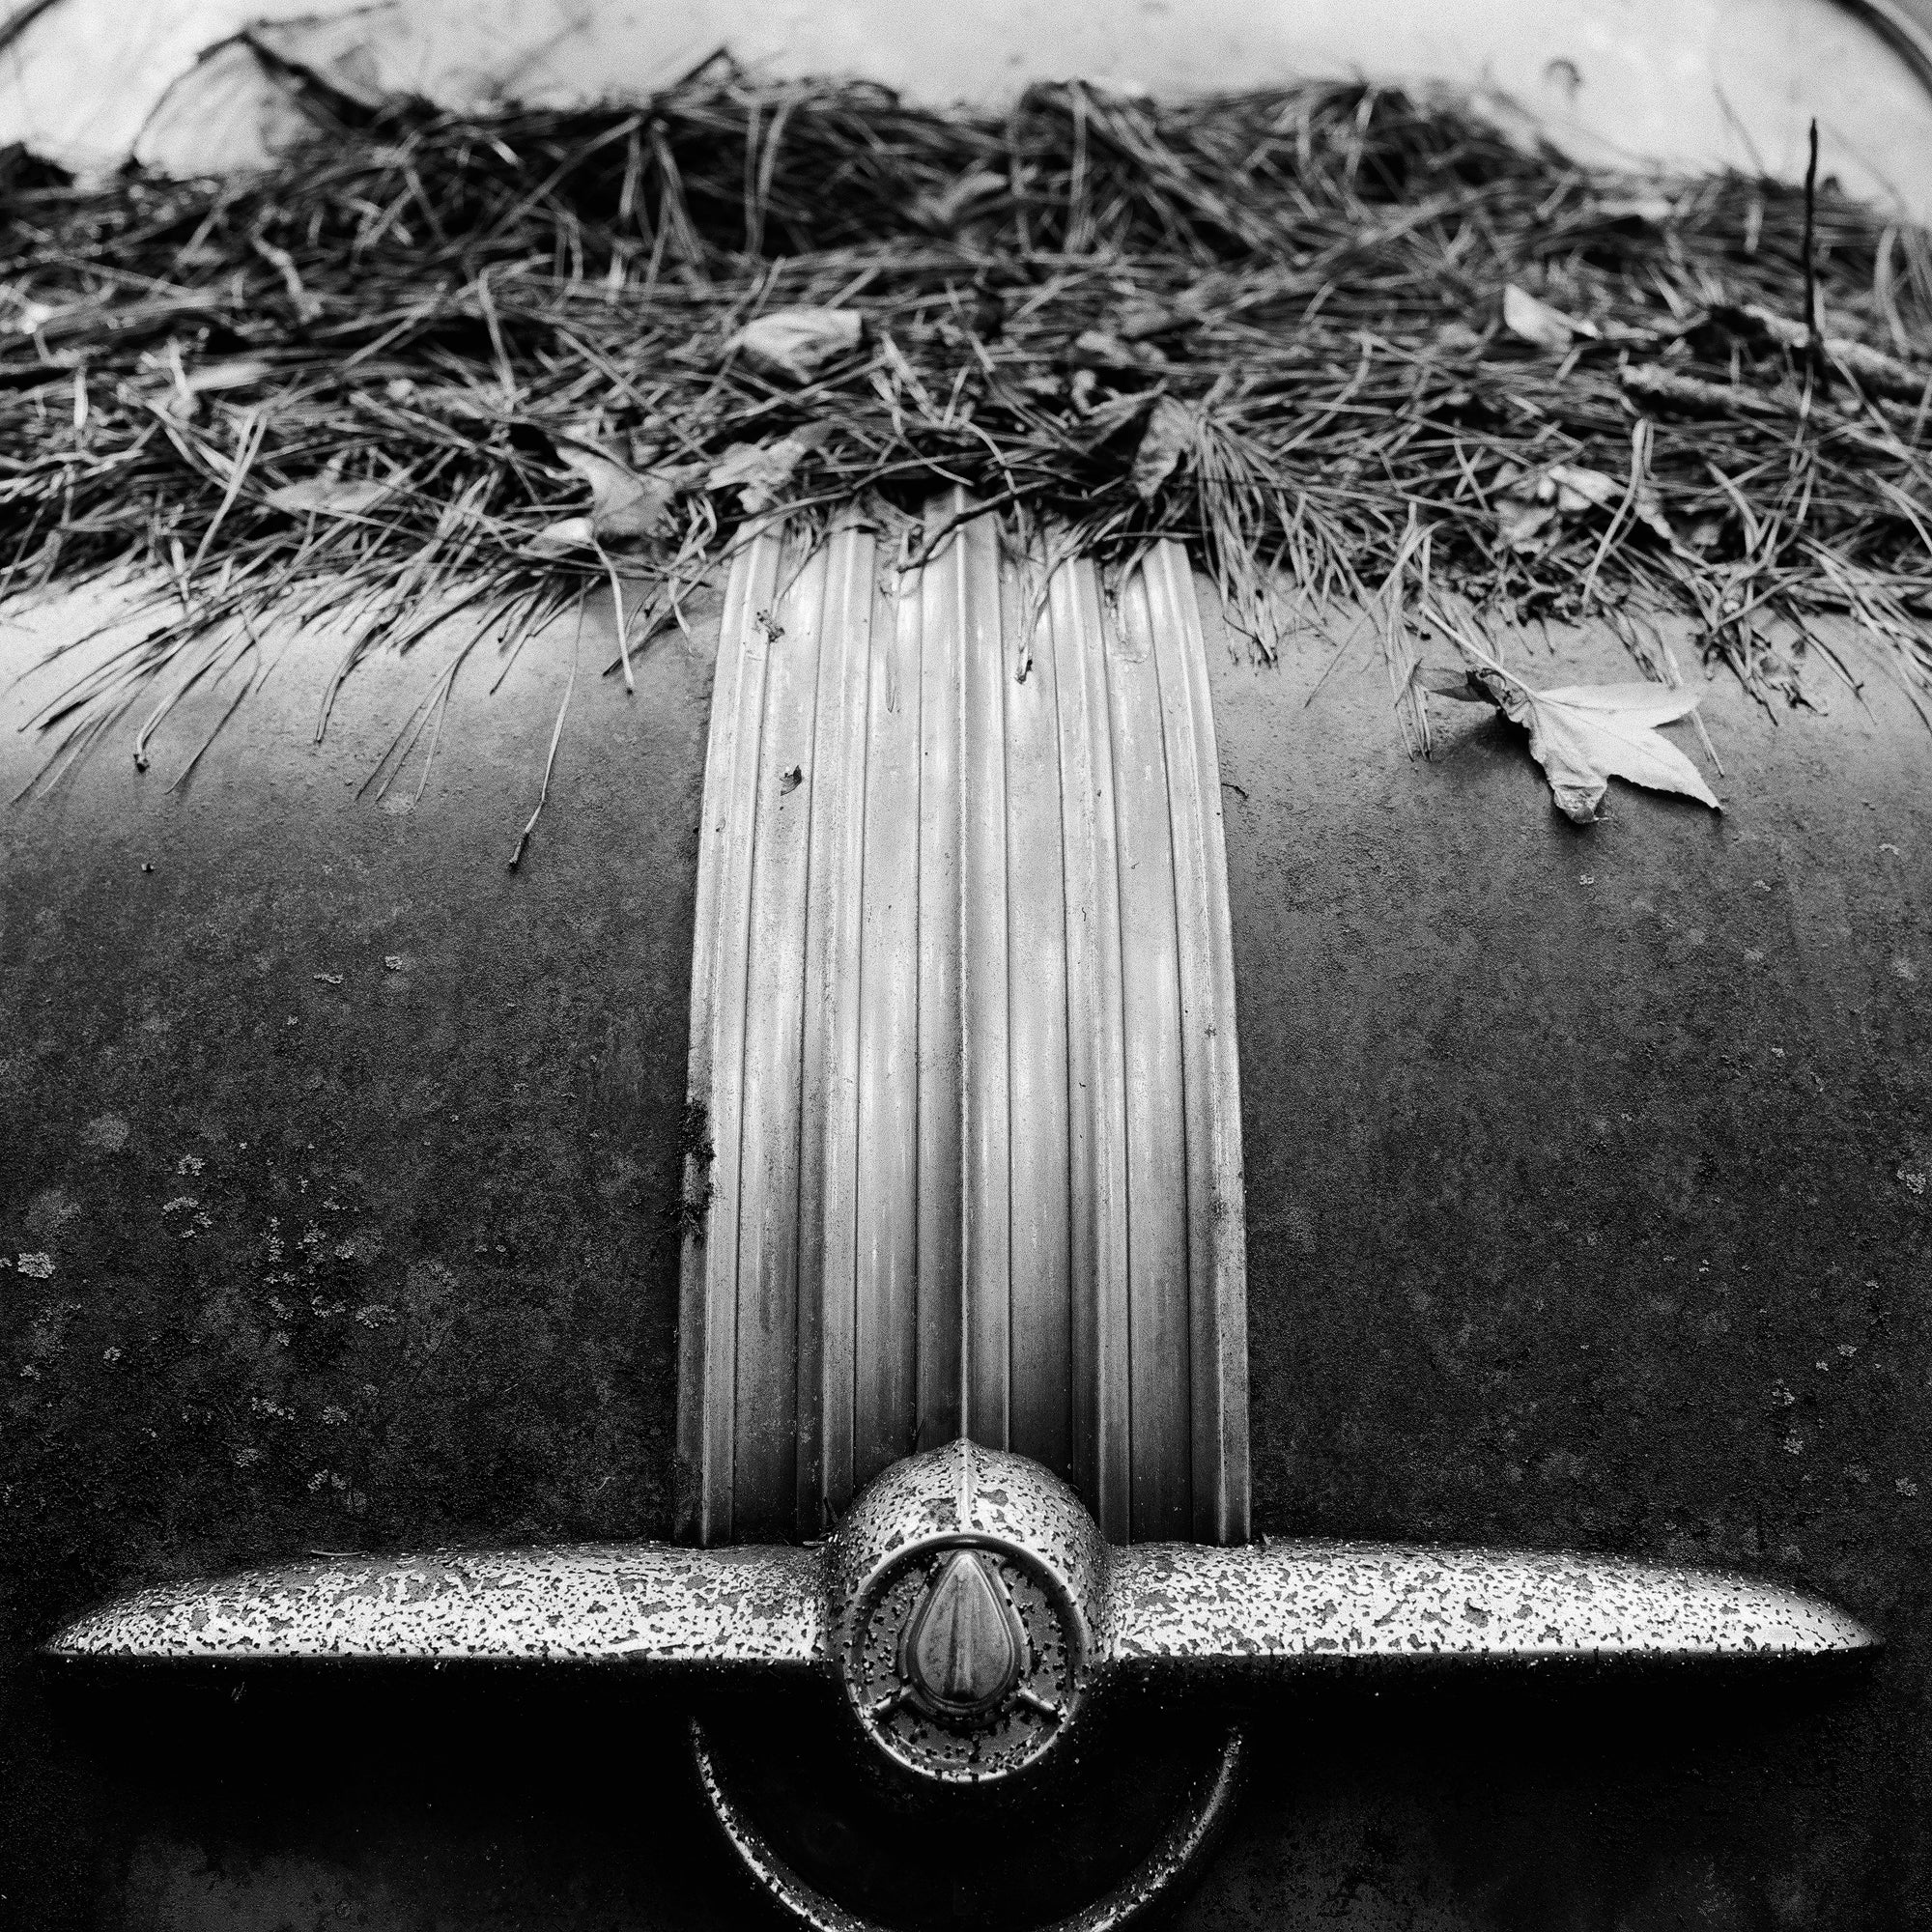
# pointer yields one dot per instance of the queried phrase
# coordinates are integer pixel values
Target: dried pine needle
(343, 392)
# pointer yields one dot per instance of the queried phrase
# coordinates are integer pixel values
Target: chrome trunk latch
(974, 1618)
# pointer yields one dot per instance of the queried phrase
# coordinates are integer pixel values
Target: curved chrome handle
(1158, 1881)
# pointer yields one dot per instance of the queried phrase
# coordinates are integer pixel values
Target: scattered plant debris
(443, 364)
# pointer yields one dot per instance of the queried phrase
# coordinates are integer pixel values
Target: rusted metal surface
(634, 1604)
(964, 1041)
(1156, 1883)
(1283, 1605)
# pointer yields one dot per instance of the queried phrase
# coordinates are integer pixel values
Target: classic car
(1015, 1274)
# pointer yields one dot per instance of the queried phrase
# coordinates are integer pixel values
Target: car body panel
(1586, 1179)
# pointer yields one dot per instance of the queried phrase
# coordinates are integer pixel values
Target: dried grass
(436, 306)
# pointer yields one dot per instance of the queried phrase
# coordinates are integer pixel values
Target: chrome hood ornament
(965, 1277)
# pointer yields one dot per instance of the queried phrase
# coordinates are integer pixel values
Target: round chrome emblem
(967, 1588)
(964, 1665)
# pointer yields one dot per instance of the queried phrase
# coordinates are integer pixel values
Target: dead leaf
(1578, 489)
(1569, 490)
(760, 470)
(330, 495)
(1522, 526)
(623, 506)
(566, 533)
(1141, 318)
(1648, 510)
(941, 214)
(1873, 369)
(1584, 736)
(1870, 368)
(795, 341)
(243, 373)
(1534, 321)
(1655, 210)
(1102, 349)
(1168, 436)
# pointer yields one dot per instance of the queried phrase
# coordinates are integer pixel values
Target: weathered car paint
(1484, 1305)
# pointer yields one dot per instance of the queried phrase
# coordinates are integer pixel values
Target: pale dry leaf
(1654, 209)
(796, 342)
(1168, 436)
(1532, 321)
(623, 506)
(760, 470)
(1525, 527)
(1584, 735)
(1578, 489)
(330, 495)
(242, 373)
(942, 212)
(566, 533)
(1102, 349)
(1569, 490)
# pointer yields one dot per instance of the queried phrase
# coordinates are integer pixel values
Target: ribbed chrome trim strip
(963, 1031)
(1100, 1462)
(829, 1113)
(1216, 1226)
(765, 1435)
(892, 1123)
(939, 1063)
(1158, 1328)
(720, 948)
(971, 568)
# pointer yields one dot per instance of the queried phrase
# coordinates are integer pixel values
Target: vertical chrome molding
(885, 1322)
(1158, 1287)
(942, 696)
(962, 1027)
(722, 940)
(764, 1475)
(1101, 1463)
(973, 569)
(1039, 1313)
(835, 778)
(1211, 1075)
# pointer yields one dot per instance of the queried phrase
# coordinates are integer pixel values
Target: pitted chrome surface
(1047, 1557)
(989, 1494)
(1021, 1728)
(1290, 1604)
(634, 1602)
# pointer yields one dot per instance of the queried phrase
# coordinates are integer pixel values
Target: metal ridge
(962, 1039)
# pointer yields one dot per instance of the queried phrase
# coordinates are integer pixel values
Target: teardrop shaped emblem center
(965, 1647)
